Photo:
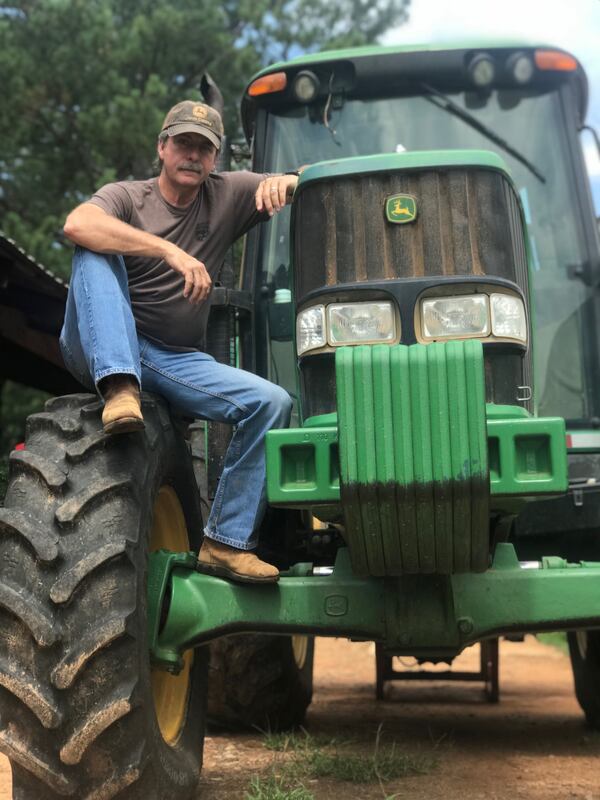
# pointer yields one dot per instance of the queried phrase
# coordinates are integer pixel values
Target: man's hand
(197, 280)
(275, 192)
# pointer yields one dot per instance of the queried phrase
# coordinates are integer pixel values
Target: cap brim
(186, 127)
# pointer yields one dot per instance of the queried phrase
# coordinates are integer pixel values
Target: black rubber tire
(256, 682)
(77, 714)
(254, 679)
(584, 649)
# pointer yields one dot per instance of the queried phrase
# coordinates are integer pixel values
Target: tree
(86, 84)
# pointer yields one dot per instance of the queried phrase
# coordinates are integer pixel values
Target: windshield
(533, 125)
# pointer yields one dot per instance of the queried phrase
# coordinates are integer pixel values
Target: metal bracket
(419, 615)
(160, 568)
(524, 394)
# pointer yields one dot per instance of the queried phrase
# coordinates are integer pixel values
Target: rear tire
(584, 649)
(260, 681)
(255, 680)
(82, 713)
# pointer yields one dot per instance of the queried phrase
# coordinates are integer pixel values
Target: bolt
(405, 638)
(465, 625)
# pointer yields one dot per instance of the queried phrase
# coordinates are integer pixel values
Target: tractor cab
(526, 104)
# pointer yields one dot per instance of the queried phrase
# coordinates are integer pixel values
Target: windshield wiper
(441, 101)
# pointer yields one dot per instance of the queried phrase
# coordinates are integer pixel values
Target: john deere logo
(199, 112)
(401, 208)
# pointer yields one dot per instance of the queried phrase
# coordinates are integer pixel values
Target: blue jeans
(99, 338)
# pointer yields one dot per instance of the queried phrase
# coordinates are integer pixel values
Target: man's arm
(90, 226)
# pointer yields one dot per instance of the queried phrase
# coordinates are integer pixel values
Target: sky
(573, 26)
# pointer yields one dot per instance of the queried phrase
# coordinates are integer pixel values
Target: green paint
(412, 615)
(538, 444)
(357, 53)
(321, 421)
(414, 160)
(303, 464)
(427, 511)
(401, 208)
(527, 455)
(496, 411)
(162, 566)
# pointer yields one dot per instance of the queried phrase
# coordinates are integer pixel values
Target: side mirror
(594, 135)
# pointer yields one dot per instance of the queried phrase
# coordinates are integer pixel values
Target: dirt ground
(532, 745)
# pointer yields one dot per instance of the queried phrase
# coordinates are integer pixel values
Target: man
(138, 305)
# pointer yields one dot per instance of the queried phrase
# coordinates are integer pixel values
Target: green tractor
(440, 261)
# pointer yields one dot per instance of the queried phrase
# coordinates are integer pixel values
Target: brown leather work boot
(122, 410)
(242, 566)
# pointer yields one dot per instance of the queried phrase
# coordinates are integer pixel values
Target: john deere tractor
(430, 303)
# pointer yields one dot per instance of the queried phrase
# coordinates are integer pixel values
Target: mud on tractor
(431, 307)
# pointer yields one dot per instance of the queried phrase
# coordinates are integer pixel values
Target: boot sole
(124, 425)
(236, 577)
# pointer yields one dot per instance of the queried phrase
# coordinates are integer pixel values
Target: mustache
(190, 166)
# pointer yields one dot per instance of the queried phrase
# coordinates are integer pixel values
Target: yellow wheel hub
(300, 650)
(170, 692)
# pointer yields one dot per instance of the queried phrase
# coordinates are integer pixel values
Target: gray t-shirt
(222, 212)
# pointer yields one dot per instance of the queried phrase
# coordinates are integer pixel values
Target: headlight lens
(473, 316)
(310, 329)
(448, 317)
(360, 323)
(508, 317)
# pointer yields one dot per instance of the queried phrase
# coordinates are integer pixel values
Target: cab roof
(371, 64)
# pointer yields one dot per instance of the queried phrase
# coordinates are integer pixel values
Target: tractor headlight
(451, 317)
(474, 316)
(310, 329)
(360, 323)
(345, 323)
(508, 317)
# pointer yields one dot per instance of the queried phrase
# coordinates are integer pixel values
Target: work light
(305, 86)
(520, 67)
(482, 70)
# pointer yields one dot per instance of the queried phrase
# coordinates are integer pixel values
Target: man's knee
(278, 404)
(82, 257)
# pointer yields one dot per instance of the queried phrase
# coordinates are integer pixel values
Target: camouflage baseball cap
(190, 116)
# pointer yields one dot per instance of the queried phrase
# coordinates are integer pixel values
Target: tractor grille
(467, 224)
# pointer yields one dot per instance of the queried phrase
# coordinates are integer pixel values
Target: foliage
(288, 741)
(557, 639)
(3, 476)
(384, 764)
(16, 404)
(86, 84)
(303, 755)
(276, 788)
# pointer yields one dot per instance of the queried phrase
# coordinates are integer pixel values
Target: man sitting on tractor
(138, 306)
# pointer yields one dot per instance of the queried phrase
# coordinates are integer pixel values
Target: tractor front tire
(260, 681)
(82, 712)
(584, 649)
